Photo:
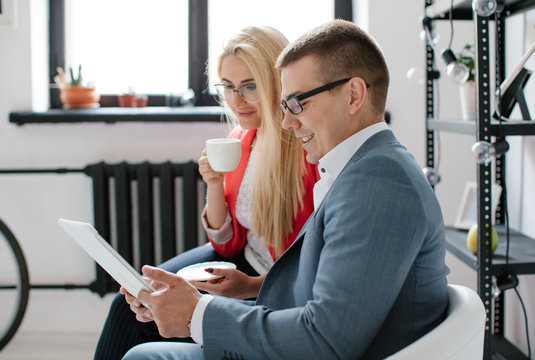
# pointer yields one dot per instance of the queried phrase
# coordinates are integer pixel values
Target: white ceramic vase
(467, 92)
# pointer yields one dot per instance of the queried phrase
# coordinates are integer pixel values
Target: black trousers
(122, 331)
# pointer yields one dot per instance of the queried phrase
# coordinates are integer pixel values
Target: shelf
(463, 8)
(457, 126)
(116, 114)
(521, 251)
(521, 254)
(514, 127)
(509, 128)
(440, 9)
(503, 349)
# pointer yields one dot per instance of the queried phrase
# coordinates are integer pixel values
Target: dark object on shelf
(506, 282)
(514, 94)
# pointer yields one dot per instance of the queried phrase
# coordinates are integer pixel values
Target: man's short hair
(343, 50)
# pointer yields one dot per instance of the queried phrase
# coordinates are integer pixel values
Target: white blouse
(256, 252)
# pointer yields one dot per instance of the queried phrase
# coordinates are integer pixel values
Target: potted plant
(467, 91)
(131, 99)
(76, 94)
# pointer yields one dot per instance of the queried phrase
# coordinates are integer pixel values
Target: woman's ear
(359, 92)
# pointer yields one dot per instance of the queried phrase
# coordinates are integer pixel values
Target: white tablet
(101, 251)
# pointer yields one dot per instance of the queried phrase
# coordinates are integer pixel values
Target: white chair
(459, 337)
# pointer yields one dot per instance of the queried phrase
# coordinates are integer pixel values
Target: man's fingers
(159, 275)
(131, 299)
(144, 319)
(205, 286)
(143, 298)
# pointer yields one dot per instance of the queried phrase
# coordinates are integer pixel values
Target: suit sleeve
(368, 231)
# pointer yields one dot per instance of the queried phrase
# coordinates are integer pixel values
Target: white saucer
(196, 271)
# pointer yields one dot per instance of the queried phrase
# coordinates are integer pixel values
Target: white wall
(30, 204)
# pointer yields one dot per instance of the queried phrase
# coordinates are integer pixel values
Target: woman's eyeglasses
(247, 92)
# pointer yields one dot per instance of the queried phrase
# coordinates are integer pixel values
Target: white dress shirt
(256, 252)
(332, 163)
(329, 166)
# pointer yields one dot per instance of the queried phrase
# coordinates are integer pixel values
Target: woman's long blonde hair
(278, 190)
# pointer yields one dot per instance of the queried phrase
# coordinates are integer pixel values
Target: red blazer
(232, 185)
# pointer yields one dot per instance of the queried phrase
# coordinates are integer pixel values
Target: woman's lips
(245, 113)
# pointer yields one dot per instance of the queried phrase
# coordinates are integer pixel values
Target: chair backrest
(460, 336)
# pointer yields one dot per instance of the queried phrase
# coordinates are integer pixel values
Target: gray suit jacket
(365, 277)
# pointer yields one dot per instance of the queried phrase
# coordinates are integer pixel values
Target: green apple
(471, 239)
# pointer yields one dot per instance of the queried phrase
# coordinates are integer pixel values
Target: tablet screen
(105, 255)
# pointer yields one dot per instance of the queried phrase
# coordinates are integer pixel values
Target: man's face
(323, 122)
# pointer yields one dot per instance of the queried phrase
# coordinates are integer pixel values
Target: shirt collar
(332, 163)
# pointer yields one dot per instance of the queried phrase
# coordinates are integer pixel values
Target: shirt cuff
(221, 235)
(197, 318)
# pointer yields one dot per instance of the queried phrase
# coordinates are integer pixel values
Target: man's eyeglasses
(294, 103)
(247, 92)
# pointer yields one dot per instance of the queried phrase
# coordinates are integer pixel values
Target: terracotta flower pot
(132, 100)
(142, 100)
(78, 97)
(127, 100)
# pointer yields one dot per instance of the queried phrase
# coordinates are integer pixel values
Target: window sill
(112, 115)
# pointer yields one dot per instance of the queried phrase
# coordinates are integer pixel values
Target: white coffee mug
(223, 154)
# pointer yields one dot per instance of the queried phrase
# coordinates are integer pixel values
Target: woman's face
(235, 73)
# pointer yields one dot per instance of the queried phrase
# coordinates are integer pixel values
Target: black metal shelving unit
(488, 266)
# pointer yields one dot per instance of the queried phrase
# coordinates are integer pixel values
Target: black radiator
(148, 212)
(144, 202)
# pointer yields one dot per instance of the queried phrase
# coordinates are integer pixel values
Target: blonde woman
(253, 213)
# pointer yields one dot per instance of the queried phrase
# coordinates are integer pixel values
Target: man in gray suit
(366, 276)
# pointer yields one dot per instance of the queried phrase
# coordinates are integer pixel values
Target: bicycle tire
(23, 288)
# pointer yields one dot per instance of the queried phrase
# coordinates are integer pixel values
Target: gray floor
(50, 347)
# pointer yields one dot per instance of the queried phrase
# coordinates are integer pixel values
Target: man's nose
(289, 122)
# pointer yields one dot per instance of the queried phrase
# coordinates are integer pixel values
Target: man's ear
(358, 92)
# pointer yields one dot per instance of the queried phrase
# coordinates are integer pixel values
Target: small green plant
(76, 80)
(62, 80)
(466, 57)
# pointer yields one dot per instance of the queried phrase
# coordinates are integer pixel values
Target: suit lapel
(384, 136)
(299, 238)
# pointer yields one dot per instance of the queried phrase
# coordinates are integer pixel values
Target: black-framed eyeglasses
(294, 103)
(247, 92)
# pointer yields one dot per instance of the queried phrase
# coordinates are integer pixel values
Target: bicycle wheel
(14, 285)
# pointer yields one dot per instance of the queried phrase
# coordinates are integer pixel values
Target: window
(161, 47)
(227, 17)
(129, 43)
